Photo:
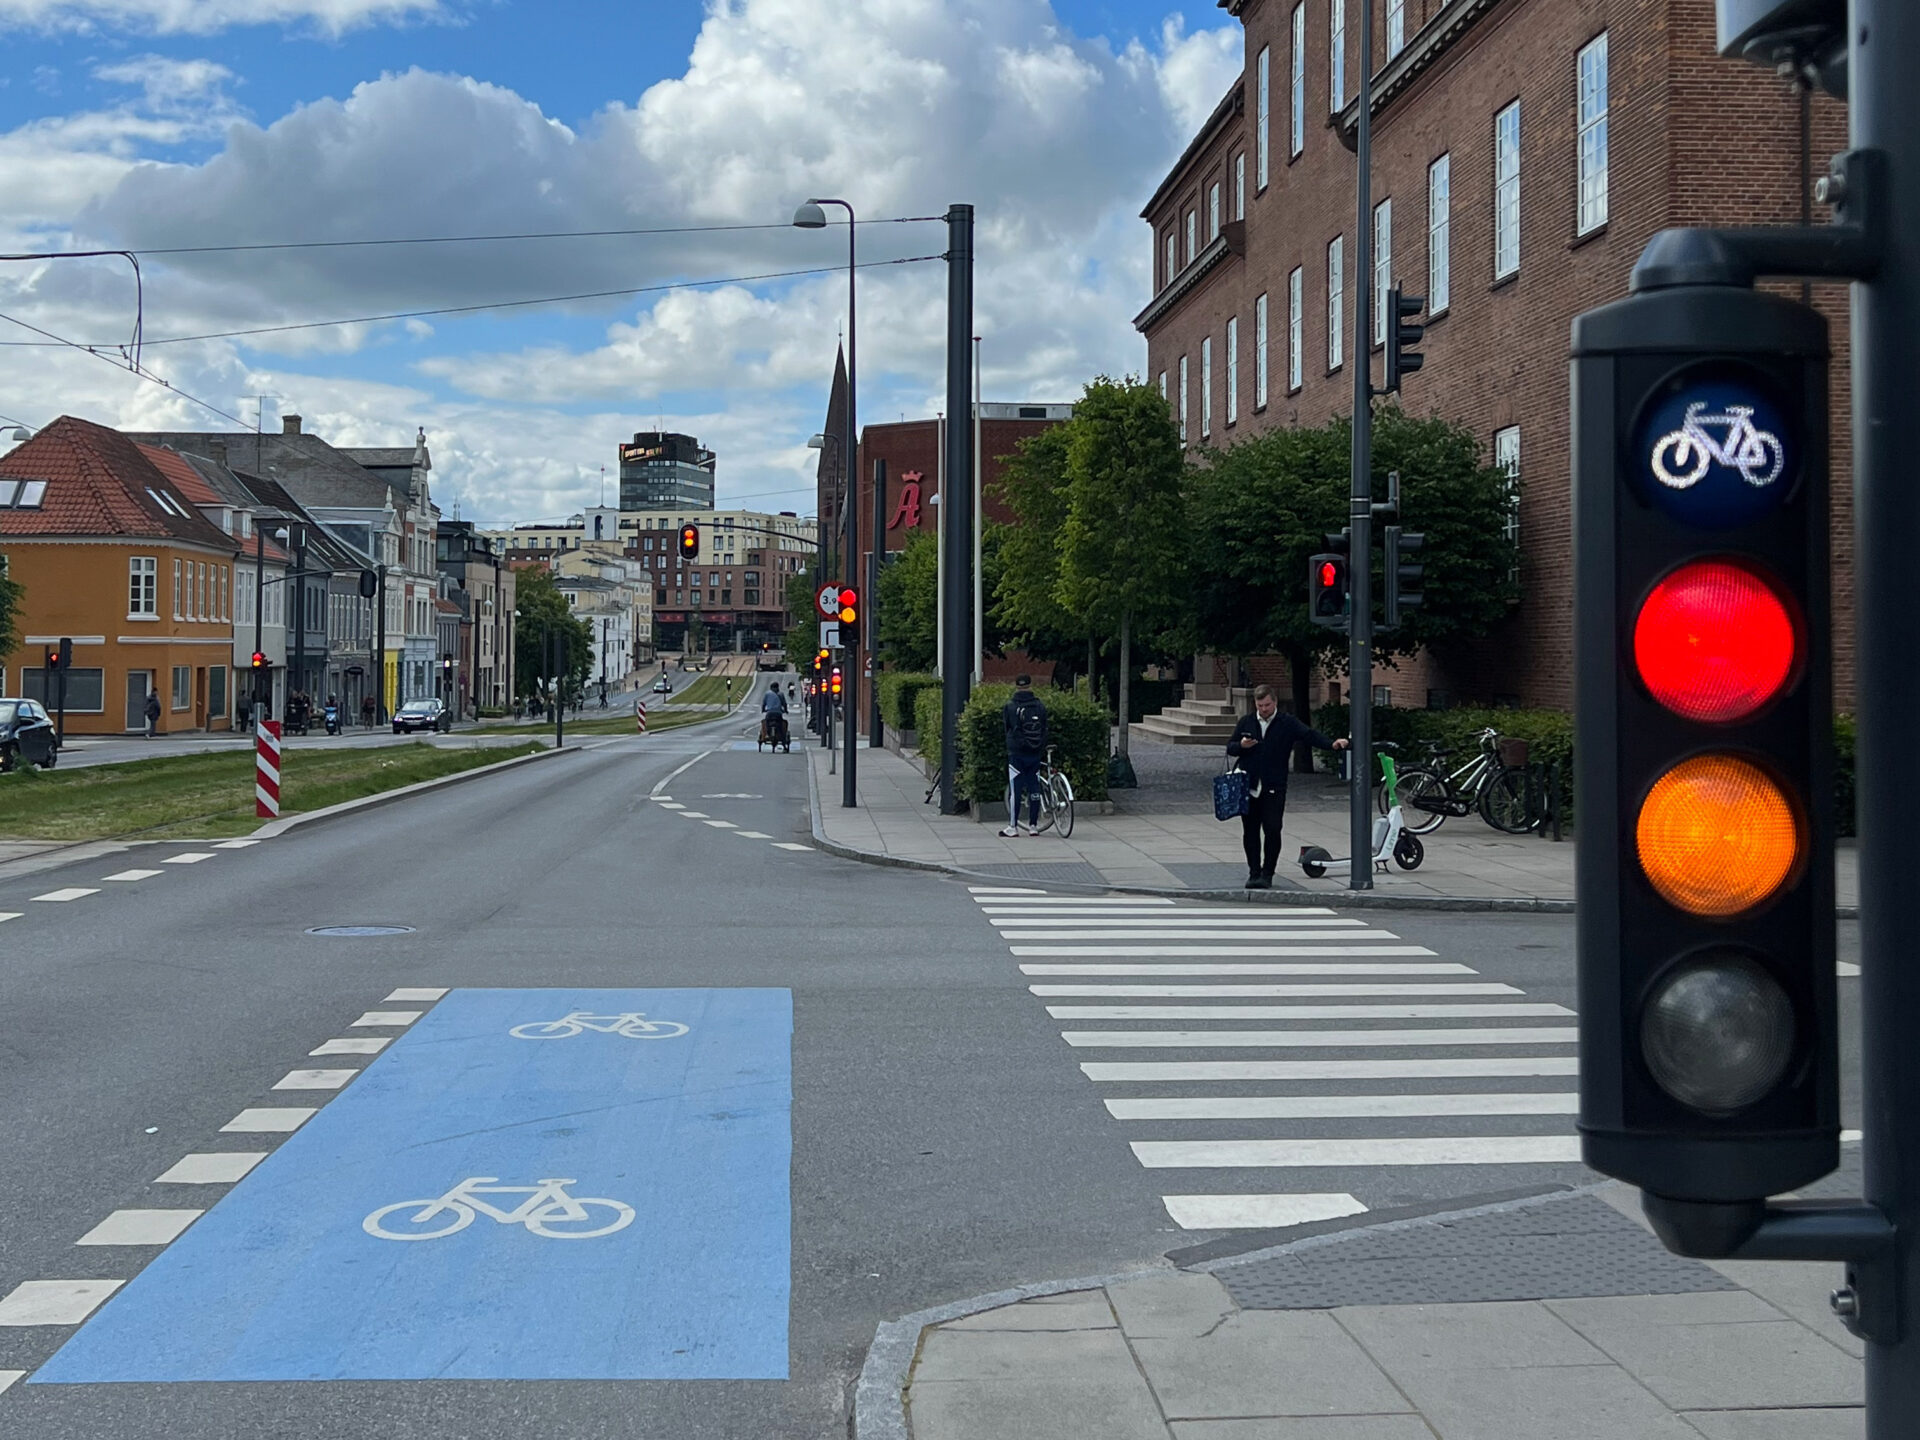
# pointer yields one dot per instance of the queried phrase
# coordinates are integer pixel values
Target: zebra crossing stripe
(1438, 967)
(1437, 1068)
(1313, 1154)
(1306, 1012)
(1256, 1212)
(1343, 938)
(1250, 951)
(1316, 1039)
(1273, 991)
(1341, 1107)
(1184, 922)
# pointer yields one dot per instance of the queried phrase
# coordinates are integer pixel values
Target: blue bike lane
(568, 1203)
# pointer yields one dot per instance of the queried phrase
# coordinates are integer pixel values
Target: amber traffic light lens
(1714, 642)
(1718, 835)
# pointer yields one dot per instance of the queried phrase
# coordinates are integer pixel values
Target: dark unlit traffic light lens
(1717, 1033)
(1714, 642)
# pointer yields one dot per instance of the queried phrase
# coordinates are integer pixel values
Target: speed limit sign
(827, 602)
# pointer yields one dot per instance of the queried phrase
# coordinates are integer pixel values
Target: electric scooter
(1391, 839)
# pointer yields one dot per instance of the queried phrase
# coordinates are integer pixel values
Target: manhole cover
(356, 931)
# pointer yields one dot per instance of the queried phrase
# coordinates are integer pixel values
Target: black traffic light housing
(689, 542)
(1327, 589)
(833, 684)
(1700, 418)
(259, 661)
(1400, 589)
(1402, 359)
(849, 608)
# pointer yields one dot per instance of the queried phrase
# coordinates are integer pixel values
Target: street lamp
(811, 217)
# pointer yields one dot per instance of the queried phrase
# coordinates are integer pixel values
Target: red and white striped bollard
(266, 770)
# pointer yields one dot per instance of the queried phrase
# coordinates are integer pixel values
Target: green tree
(803, 636)
(909, 602)
(539, 610)
(1123, 544)
(12, 592)
(1261, 507)
(1025, 605)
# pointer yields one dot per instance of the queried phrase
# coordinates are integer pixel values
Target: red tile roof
(100, 484)
(190, 482)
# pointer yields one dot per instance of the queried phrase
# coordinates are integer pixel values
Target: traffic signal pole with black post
(956, 561)
(1709, 1064)
(1360, 496)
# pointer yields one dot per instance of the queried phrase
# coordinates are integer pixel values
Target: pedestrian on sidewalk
(153, 713)
(1025, 720)
(1262, 745)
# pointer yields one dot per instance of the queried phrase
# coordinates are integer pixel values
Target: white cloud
(901, 105)
(205, 17)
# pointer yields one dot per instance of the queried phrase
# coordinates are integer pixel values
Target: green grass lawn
(617, 722)
(707, 690)
(210, 795)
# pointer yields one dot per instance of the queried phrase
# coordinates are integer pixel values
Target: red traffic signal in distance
(833, 683)
(259, 660)
(1327, 589)
(849, 606)
(689, 542)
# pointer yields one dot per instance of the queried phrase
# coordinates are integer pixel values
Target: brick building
(1523, 153)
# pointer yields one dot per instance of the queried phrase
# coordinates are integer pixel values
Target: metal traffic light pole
(1360, 571)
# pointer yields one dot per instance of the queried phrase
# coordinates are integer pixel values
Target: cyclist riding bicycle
(773, 715)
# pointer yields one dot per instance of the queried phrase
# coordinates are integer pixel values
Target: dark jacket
(1267, 761)
(152, 706)
(1018, 749)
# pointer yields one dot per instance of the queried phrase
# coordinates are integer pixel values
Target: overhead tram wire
(473, 309)
(131, 365)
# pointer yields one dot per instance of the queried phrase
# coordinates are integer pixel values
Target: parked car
(422, 715)
(27, 735)
(663, 686)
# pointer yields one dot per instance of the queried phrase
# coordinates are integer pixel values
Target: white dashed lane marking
(60, 897)
(235, 844)
(188, 857)
(415, 993)
(6, 915)
(130, 875)
(140, 1227)
(723, 824)
(389, 1017)
(270, 1120)
(754, 835)
(314, 1079)
(7, 1377)
(789, 845)
(223, 1167)
(353, 1045)
(54, 1302)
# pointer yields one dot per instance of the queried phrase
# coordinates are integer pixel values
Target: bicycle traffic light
(1400, 573)
(1401, 358)
(1327, 582)
(689, 542)
(849, 613)
(1709, 1055)
(833, 684)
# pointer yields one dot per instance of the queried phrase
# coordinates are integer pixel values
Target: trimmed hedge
(1078, 726)
(899, 693)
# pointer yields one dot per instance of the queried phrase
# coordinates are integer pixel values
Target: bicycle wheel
(1422, 794)
(423, 1215)
(1503, 804)
(1062, 790)
(545, 1222)
(653, 1029)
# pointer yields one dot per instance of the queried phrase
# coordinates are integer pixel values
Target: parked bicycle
(1429, 793)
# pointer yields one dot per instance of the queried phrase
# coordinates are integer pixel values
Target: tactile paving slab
(1560, 1250)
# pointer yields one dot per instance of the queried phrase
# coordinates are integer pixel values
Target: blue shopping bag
(1230, 795)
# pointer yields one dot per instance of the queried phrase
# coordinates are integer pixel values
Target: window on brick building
(177, 591)
(1506, 459)
(1506, 192)
(1233, 369)
(1173, 261)
(1240, 186)
(1262, 116)
(1337, 55)
(1297, 81)
(1396, 27)
(1163, 384)
(1591, 68)
(1213, 210)
(1296, 320)
(1439, 234)
(1336, 308)
(1183, 399)
(1260, 352)
(1382, 266)
(1193, 233)
(143, 588)
(1206, 386)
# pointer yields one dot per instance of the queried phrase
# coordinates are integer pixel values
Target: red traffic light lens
(1715, 642)
(1329, 575)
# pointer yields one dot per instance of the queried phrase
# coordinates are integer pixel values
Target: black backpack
(1030, 725)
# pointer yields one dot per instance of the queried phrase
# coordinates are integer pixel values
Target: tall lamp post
(811, 217)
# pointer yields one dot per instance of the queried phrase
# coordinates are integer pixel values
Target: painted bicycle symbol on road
(546, 1210)
(1681, 457)
(634, 1025)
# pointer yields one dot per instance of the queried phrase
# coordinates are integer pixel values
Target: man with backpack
(1025, 719)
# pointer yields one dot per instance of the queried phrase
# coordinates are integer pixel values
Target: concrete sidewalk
(1547, 1317)
(1466, 863)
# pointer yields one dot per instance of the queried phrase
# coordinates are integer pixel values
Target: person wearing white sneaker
(1025, 720)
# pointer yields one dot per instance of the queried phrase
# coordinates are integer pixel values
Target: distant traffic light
(833, 684)
(259, 661)
(1709, 1066)
(1327, 583)
(1401, 573)
(689, 542)
(849, 606)
(1401, 358)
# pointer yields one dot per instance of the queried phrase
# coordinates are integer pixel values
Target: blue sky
(150, 123)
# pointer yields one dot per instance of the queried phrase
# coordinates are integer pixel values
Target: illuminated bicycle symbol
(634, 1025)
(1681, 457)
(546, 1209)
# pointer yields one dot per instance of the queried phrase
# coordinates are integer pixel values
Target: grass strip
(211, 796)
(620, 723)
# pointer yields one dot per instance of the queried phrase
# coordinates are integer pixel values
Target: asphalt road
(944, 1140)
